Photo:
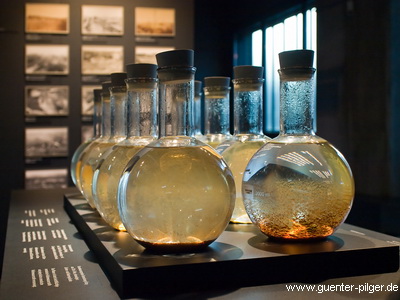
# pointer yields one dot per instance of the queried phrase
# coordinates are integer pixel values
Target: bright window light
(256, 47)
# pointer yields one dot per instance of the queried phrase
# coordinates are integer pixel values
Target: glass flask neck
(197, 115)
(248, 112)
(297, 101)
(216, 110)
(176, 95)
(106, 116)
(142, 107)
(118, 98)
(97, 117)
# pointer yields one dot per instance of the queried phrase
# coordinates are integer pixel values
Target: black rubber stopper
(97, 95)
(141, 70)
(118, 79)
(247, 72)
(183, 58)
(217, 81)
(106, 87)
(296, 59)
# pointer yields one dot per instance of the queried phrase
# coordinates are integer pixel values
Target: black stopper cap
(105, 87)
(141, 70)
(296, 59)
(183, 58)
(248, 72)
(118, 79)
(217, 81)
(97, 95)
(197, 87)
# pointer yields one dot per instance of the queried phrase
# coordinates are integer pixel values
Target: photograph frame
(147, 54)
(47, 18)
(102, 20)
(102, 59)
(155, 21)
(87, 99)
(46, 178)
(46, 100)
(46, 142)
(87, 132)
(47, 59)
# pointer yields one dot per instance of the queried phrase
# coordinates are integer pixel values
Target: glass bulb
(176, 198)
(298, 188)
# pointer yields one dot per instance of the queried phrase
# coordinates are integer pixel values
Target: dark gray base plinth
(241, 256)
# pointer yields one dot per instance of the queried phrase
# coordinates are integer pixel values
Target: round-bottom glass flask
(248, 135)
(297, 186)
(75, 167)
(95, 147)
(177, 193)
(141, 130)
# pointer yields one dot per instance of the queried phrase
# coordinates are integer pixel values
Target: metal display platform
(242, 256)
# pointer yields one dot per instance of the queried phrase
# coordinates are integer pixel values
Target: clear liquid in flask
(174, 199)
(106, 179)
(89, 161)
(298, 190)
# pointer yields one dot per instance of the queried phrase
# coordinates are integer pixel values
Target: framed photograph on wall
(147, 54)
(46, 142)
(151, 21)
(102, 60)
(102, 20)
(86, 132)
(46, 59)
(48, 18)
(46, 179)
(87, 99)
(46, 100)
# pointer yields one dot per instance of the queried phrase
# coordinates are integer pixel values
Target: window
(295, 32)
